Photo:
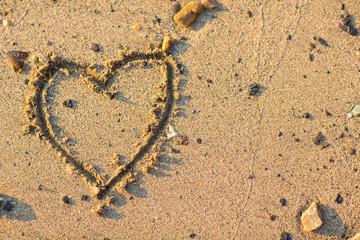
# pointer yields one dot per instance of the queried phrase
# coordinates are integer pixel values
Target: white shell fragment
(311, 218)
(355, 111)
(172, 133)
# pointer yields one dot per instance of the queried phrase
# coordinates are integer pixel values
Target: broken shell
(6, 22)
(172, 133)
(355, 111)
(311, 218)
(209, 4)
(166, 44)
(18, 59)
(188, 14)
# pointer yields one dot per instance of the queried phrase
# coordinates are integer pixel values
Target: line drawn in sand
(45, 70)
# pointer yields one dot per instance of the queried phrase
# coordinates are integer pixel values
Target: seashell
(172, 133)
(18, 59)
(209, 4)
(166, 44)
(355, 112)
(311, 218)
(188, 14)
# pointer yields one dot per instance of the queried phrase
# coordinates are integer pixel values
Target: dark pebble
(254, 89)
(323, 42)
(353, 31)
(289, 37)
(272, 217)
(193, 235)
(26, 81)
(68, 103)
(285, 236)
(319, 138)
(199, 140)
(183, 39)
(95, 47)
(280, 134)
(157, 20)
(307, 115)
(66, 199)
(343, 6)
(84, 198)
(181, 68)
(8, 206)
(250, 14)
(339, 199)
(283, 201)
(297, 139)
(328, 113)
(97, 11)
(311, 57)
(352, 151)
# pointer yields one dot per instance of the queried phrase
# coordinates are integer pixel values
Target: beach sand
(244, 153)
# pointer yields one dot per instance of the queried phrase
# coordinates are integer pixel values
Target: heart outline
(46, 68)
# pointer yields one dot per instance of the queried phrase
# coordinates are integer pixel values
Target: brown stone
(188, 14)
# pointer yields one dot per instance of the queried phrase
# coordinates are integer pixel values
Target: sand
(245, 152)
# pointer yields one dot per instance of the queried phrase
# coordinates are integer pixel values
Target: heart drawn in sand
(45, 70)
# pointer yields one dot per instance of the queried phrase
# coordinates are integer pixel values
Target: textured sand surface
(254, 150)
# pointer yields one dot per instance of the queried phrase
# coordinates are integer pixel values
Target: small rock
(209, 4)
(84, 197)
(68, 103)
(323, 42)
(172, 133)
(8, 206)
(311, 218)
(250, 14)
(166, 44)
(319, 139)
(188, 14)
(95, 47)
(283, 202)
(285, 236)
(339, 199)
(254, 89)
(66, 199)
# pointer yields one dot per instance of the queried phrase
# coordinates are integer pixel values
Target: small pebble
(188, 14)
(66, 199)
(193, 235)
(254, 89)
(307, 115)
(8, 206)
(250, 14)
(209, 4)
(311, 219)
(339, 199)
(285, 236)
(199, 140)
(323, 42)
(95, 47)
(84, 197)
(283, 202)
(136, 27)
(68, 103)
